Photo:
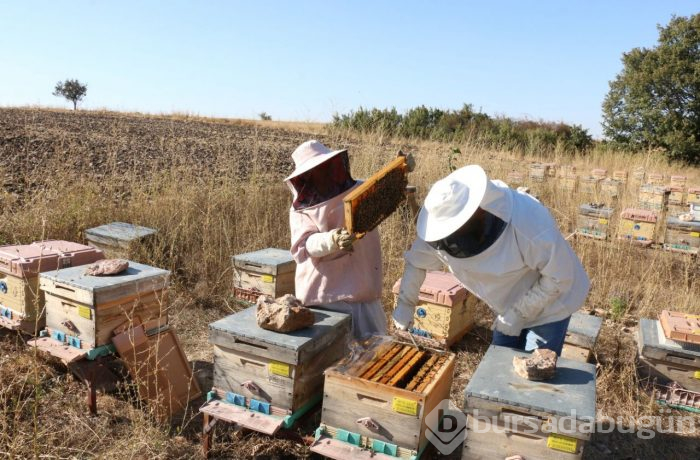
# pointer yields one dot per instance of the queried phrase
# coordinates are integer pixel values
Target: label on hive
(562, 443)
(84, 311)
(267, 278)
(281, 369)
(696, 375)
(695, 234)
(404, 406)
(603, 221)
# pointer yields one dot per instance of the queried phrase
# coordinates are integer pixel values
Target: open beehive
(21, 301)
(379, 400)
(508, 415)
(376, 198)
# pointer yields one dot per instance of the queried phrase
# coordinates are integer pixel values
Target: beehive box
(667, 360)
(639, 175)
(391, 387)
(589, 186)
(445, 309)
(581, 336)
(267, 271)
(620, 176)
(611, 188)
(599, 173)
(515, 178)
(656, 178)
(682, 236)
(569, 182)
(509, 415)
(538, 172)
(21, 301)
(638, 226)
(678, 181)
(273, 373)
(676, 195)
(594, 221)
(118, 239)
(653, 197)
(694, 196)
(84, 310)
(552, 169)
(566, 171)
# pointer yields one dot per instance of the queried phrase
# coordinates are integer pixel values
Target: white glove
(343, 239)
(403, 316)
(510, 323)
(410, 161)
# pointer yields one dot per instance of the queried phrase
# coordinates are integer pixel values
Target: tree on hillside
(655, 100)
(72, 90)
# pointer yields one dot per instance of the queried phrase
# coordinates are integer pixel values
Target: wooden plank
(339, 450)
(245, 418)
(60, 350)
(438, 391)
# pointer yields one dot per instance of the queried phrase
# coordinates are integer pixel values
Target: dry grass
(213, 189)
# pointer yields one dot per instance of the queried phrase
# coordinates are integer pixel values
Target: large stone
(541, 365)
(107, 267)
(284, 314)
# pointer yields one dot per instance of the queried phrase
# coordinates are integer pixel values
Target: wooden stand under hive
(376, 198)
(445, 311)
(21, 301)
(83, 311)
(375, 404)
(666, 360)
(638, 226)
(581, 336)
(267, 271)
(118, 239)
(682, 236)
(509, 415)
(265, 380)
(593, 221)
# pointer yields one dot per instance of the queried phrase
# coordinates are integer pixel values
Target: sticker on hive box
(404, 406)
(84, 311)
(696, 375)
(695, 234)
(277, 368)
(562, 443)
(603, 221)
(267, 279)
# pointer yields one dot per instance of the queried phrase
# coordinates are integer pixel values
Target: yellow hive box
(676, 195)
(638, 226)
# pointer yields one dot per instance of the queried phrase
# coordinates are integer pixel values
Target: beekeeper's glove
(343, 239)
(403, 316)
(410, 161)
(510, 323)
(325, 243)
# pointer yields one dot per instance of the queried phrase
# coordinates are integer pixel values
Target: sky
(306, 60)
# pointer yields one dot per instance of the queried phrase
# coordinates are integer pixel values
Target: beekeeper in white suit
(506, 249)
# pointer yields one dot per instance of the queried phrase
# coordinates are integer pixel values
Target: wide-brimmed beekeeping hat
(309, 155)
(451, 202)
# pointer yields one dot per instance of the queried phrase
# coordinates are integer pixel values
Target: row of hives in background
(89, 321)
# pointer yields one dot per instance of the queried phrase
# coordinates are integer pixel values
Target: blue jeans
(550, 336)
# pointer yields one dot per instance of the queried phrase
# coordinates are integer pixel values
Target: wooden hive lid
(41, 256)
(642, 215)
(583, 330)
(683, 327)
(653, 344)
(73, 283)
(118, 233)
(495, 381)
(241, 331)
(688, 225)
(270, 260)
(440, 288)
(590, 209)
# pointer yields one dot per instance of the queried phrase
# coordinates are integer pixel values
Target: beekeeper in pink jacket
(505, 248)
(334, 270)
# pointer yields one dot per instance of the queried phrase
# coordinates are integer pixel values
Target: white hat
(451, 202)
(309, 155)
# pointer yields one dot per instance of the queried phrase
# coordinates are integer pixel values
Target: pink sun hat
(309, 155)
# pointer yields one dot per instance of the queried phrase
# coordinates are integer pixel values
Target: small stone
(284, 314)
(107, 267)
(541, 365)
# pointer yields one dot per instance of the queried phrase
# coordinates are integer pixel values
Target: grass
(214, 188)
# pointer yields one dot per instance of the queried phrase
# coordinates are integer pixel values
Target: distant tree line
(467, 124)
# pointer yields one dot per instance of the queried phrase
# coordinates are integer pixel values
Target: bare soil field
(213, 188)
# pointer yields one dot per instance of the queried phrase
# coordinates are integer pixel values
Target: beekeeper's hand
(403, 316)
(343, 239)
(410, 161)
(510, 323)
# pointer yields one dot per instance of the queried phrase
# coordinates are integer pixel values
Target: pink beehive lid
(30, 259)
(598, 172)
(619, 174)
(675, 188)
(641, 215)
(440, 288)
(678, 178)
(694, 190)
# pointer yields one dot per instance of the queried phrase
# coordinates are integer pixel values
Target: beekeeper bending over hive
(506, 249)
(334, 270)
